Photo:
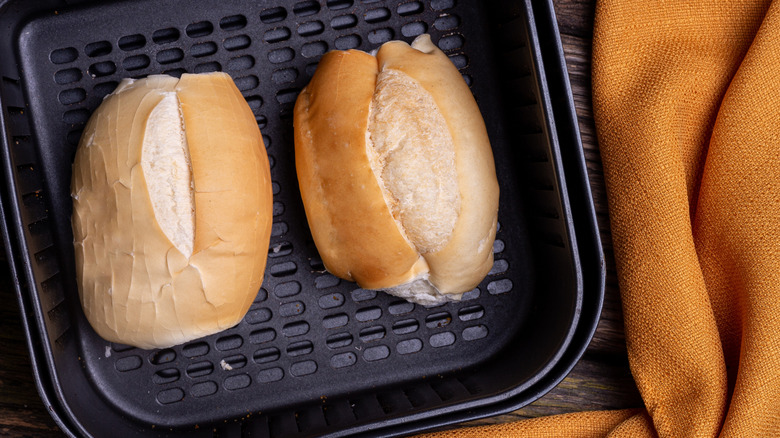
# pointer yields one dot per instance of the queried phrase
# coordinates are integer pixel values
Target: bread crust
(136, 288)
(350, 219)
(357, 236)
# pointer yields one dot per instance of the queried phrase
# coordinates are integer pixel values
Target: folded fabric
(686, 99)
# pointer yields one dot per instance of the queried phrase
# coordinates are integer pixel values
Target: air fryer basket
(315, 355)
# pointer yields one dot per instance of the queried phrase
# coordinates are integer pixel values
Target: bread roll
(172, 210)
(396, 172)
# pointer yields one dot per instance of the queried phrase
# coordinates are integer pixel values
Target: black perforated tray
(315, 355)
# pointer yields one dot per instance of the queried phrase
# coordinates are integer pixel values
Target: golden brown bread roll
(172, 210)
(396, 172)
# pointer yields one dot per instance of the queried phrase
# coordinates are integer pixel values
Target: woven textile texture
(686, 98)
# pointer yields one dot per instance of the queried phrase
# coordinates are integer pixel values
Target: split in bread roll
(172, 210)
(396, 172)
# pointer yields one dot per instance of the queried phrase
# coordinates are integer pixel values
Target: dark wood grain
(601, 380)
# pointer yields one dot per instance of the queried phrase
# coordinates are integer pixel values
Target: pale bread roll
(396, 172)
(172, 210)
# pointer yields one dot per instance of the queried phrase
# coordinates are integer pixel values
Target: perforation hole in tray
(238, 42)
(73, 137)
(365, 314)
(266, 355)
(414, 29)
(160, 357)
(339, 4)
(474, 333)
(405, 326)
(258, 316)
(294, 308)
(273, 15)
(442, 5)
(339, 340)
(262, 122)
(262, 336)
(200, 369)
(304, 368)
(293, 329)
(170, 56)
(207, 67)
(233, 362)
(451, 42)
(165, 36)
(500, 286)
(170, 396)
(136, 62)
(175, 72)
(246, 83)
(283, 269)
(442, 339)
(310, 28)
(377, 15)
(277, 34)
(233, 22)
(343, 21)
(331, 301)
(168, 375)
(99, 48)
(409, 346)
(236, 382)
(128, 363)
(360, 295)
(335, 321)
(64, 55)
(68, 76)
(203, 389)
(132, 42)
(372, 333)
(199, 29)
(446, 22)
(306, 8)
(239, 63)
(346, 42)
(326, 281)
(231, 342)
(71, 96)
(207, 48)
(284, 76)
(279, 56)
(460, 60)
(379, 36)
(314, 49)
(196, 349)
(270, 375)
(100, 69)
(343, 360)
(102, 89)
(438, 320)
(373, 354)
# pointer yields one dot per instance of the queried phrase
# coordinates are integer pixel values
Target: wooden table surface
(601, 380)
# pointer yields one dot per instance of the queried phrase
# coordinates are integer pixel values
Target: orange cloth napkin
(686, 97)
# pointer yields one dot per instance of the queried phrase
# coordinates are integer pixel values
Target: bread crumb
(225, 366)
